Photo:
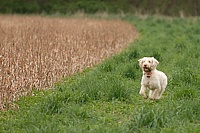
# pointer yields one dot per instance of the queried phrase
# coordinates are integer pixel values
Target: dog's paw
(145, 97)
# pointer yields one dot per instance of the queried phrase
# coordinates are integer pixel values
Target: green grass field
(105, 99)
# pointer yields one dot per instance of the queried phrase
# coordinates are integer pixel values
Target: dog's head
(148, 64)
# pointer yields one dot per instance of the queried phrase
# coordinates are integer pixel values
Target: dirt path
(37, 51)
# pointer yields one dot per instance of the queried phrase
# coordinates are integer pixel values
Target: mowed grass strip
(38, 51)
(105, 98)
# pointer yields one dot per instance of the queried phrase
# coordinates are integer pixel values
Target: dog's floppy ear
(155, 62)
(140, 62)
(140, 59)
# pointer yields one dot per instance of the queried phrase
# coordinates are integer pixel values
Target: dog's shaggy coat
(154, 80)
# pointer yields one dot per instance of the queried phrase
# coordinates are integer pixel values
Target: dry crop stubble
(38, 51)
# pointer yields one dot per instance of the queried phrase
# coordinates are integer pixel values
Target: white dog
(154, 80)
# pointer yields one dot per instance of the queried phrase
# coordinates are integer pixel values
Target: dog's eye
(149, 61)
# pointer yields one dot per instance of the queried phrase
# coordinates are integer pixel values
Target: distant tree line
(164, 7)
(167, 7)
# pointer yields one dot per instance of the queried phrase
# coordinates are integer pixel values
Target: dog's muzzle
(146, 69)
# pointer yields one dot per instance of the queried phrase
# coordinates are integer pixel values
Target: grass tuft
(148, 118)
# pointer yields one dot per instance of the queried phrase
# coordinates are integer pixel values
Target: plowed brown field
(37, 51)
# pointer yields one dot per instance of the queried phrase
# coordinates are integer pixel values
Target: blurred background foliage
(162, 7)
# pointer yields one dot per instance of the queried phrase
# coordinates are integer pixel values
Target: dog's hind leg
(163, 86)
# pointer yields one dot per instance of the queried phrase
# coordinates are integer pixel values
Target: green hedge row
(165, 7)
(63, 6)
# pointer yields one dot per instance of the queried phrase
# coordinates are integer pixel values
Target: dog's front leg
(143, 91)
(153, 94)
